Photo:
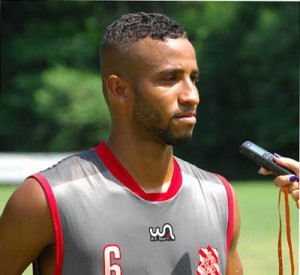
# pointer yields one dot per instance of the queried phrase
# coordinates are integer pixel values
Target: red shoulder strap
(58, 235)
(230, 211)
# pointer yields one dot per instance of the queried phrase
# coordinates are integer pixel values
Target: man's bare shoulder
(25, 227)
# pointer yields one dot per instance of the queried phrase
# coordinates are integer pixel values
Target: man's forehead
(166, 44)
(151, 51)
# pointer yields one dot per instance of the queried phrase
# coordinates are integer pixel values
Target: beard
(150, 120)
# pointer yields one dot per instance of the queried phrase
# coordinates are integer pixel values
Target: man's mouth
(189, 117)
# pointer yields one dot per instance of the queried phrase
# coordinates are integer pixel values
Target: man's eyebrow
(176, 71)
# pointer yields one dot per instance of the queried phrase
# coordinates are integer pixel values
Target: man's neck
(160, 189)
(149, 163)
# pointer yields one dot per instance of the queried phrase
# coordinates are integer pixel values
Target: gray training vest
(104, 223)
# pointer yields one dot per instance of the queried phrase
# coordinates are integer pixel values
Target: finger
(264, 171)
(285, 180)
(293, 189)
(288, 163)
(295, 194)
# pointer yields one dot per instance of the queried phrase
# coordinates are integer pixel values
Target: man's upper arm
(234, 265)
(25, 228)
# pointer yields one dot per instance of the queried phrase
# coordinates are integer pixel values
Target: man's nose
(189, 94)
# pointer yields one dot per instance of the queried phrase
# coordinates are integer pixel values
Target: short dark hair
(134, 26)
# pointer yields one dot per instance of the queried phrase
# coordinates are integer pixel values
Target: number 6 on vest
(110, 253)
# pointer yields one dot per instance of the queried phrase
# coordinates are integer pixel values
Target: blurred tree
(51, 96)
(71, 106)
(41, 46)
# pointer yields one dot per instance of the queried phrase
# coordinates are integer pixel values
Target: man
(128, 206)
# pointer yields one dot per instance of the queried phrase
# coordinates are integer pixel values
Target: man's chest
(122, 237)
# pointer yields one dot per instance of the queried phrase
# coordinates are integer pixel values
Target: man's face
(164, 90)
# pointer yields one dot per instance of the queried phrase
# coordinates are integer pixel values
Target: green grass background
(259, 228)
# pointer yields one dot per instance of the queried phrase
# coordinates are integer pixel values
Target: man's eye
(170, 78)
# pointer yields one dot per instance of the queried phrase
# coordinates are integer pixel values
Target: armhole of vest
(230, 211)
(58, 235)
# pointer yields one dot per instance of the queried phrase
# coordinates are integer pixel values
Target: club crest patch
(208, 262)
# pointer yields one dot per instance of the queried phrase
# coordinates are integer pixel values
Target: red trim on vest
(59, 245)
(230, 211)
(119, 172)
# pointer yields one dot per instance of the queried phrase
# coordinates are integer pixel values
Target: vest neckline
(120, 173)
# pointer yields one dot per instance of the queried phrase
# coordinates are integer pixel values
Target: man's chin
(177, 141)
(182, 141)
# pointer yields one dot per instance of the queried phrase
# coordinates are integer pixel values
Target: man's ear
(117, 89)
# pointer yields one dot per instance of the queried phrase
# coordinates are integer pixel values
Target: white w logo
(166, 234)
